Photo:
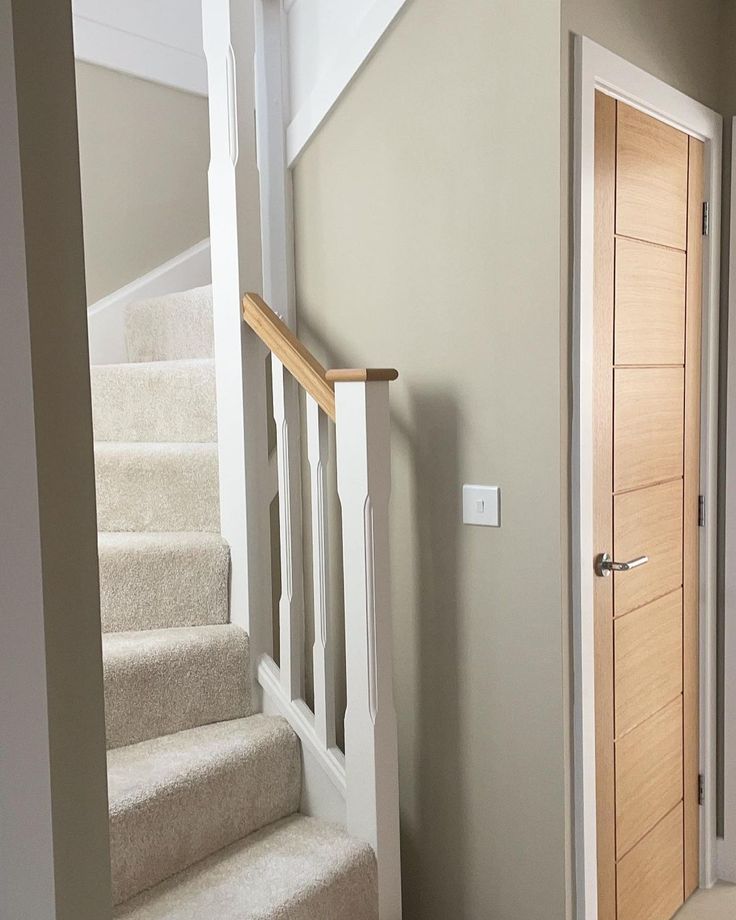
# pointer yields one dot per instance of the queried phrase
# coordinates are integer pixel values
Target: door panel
(649, 877)
(648, 522)
(650, 304)
(648, 775)
(648, 410)
(646, 398)
(648, 657)
(651, 179)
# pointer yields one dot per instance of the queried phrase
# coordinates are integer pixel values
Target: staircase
(204, 793)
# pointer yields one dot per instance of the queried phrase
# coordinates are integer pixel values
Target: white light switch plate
(482, 505)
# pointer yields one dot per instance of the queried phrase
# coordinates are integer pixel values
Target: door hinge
(701, 789)
(706, 218)
(701, 510)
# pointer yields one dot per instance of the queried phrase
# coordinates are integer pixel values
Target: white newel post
(229, 42)
(371, 755)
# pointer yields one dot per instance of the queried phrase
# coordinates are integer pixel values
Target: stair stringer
(324, 787)
(327, 46)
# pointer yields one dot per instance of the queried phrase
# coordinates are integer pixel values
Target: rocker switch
(482, 505)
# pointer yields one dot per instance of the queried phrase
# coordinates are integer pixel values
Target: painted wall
(144, 153)
(43, 269)
(26, 829)
(427, 238)
(676, 41)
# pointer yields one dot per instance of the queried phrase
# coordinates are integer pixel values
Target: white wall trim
(106, 317)
(117, 49)
(727, 846)
(597, 68)
(301, 719)
(341, 67)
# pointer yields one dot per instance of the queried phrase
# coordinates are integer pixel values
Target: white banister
(324, 679)
(363, 787)
(371, 757)
(291, 602)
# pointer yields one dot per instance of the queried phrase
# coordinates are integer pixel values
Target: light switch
(482, 505)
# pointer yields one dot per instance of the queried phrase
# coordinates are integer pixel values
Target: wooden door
(648, 264)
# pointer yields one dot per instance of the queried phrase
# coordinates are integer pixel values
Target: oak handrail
(296, 357)
(299, 360)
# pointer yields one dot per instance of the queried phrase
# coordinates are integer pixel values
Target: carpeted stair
(203, 793)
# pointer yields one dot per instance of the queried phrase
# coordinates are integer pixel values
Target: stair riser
(156, 838)
(155, 688)
(171, 328)
(157, 487)
(158, 585)
(150, 402)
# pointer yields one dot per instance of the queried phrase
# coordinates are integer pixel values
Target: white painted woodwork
(278, 291)
(596, 68)
(106, 317)
(359, 789)
(288, 465)
(371, 756)
(323, 670)
(727, 845)
(27, 880)
(229, 39)
(301, 719)
(272, 103)
(158, 40)
(328, 41)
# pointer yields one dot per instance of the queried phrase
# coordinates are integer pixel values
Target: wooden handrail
(299, 360)
(361, 374)
(296, 357)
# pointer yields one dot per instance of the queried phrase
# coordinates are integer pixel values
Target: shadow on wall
(438, 757)
(425, 608)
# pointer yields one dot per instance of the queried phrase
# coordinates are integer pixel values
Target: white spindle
(324, 678)
(364, 483)
(291, 602)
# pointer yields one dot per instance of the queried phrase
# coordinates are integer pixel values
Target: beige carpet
(203, 794)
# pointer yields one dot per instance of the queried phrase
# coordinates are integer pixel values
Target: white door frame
(599, 69)
(727, 845)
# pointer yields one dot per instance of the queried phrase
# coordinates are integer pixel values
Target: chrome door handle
(605, 565)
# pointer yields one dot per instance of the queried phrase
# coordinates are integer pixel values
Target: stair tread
(177, 799)
(298, 868)
(161, 681)
(165, 366)
(112, 541)
(153, 448)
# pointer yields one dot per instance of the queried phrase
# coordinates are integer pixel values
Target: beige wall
(144, 152)
(676, 40)
(427, 237)
(54, 279)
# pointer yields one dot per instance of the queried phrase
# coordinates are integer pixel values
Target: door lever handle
(605, 565)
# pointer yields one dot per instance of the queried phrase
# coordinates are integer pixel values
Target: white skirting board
(106, 318)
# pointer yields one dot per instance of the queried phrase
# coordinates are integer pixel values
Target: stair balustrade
(357, 401)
